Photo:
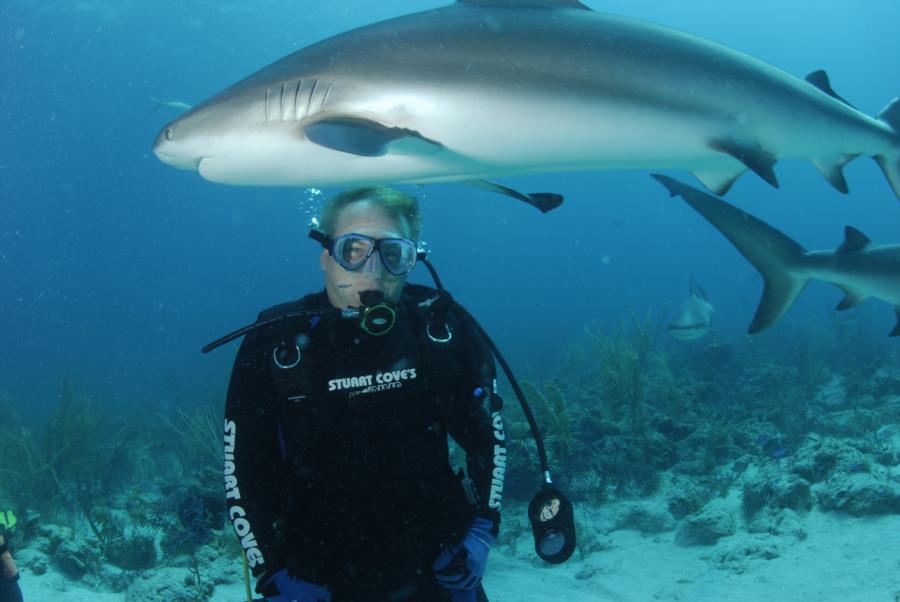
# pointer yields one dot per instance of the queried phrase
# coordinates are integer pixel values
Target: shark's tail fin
(890, 163)
(777, 257)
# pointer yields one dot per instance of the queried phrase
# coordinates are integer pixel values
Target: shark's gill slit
(312, 93)
(325, 96)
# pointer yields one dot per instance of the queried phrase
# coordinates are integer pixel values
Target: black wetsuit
(337, 467)
(9, 590)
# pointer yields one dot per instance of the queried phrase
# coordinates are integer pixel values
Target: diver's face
(344, 286)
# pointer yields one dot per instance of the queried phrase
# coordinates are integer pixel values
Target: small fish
(172, 104)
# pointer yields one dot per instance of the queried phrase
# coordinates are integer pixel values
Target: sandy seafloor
(843, 558)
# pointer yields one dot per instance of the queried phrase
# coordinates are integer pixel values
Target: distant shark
(693, 319)
(858, 267)
(487, 88)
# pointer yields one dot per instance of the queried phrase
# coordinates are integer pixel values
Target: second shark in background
(693, 318)
(858, 267)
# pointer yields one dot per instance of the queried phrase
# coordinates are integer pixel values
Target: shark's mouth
(178, 162)
(697, 326)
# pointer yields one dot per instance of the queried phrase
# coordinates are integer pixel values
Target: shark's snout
(169, 151)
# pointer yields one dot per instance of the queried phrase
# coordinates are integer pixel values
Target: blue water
(115, 269)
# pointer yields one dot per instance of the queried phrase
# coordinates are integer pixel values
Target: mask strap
(323, 239)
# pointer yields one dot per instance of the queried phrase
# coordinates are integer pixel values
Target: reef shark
(488, 88)
(693, 318)
(858, 267)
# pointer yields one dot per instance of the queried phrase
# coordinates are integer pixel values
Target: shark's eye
(169, 133)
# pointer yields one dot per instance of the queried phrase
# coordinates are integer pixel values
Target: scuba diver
(337, 473)
(9, 575)
(338, 478)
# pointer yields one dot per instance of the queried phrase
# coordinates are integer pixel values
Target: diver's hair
(399, 206)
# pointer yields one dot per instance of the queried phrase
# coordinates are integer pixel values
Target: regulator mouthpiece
(377, 317)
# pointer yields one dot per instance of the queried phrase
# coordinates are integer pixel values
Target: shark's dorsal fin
(696, 290)
(528, 3)
(854, 240)
(820, 80)
(703, 294)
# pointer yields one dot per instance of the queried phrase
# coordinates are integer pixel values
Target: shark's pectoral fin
(368, 138)
(820, 80)
(780, 291)
(851, 298)
(832, 169)
(543, 201)
(756, 158)
(719, 181)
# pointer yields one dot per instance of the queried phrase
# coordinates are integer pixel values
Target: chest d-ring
(282, 350)
(439, 339)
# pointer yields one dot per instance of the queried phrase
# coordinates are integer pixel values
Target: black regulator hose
(550, 511)
(520, 395)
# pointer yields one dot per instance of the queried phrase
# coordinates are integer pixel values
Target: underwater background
(115, 269)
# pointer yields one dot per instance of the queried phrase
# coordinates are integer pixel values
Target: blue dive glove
(461, 566)
(281, 587)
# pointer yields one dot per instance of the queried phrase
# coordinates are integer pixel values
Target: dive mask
(352, 251)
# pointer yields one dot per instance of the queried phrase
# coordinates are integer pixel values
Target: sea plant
(587, 540)
(73, 425)
(553, 413)
(200, 442)
(26, 475)
(622, 357)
